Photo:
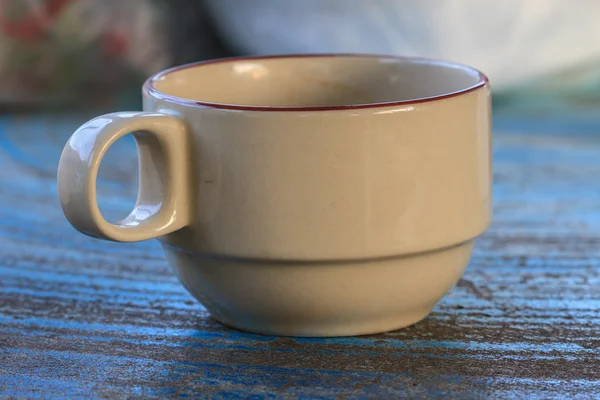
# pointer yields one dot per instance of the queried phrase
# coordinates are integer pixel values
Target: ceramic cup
(302, 195)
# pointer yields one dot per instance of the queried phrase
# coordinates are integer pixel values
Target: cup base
(321, 299)
(359, 328)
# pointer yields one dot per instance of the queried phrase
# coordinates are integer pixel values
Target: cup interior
(314, 81)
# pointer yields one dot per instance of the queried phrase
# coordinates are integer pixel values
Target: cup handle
(163, 202)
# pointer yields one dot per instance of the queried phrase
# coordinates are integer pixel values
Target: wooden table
(83, 318)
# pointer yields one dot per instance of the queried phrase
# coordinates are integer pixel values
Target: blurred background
(540, 55)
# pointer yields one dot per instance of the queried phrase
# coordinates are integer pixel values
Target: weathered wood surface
(82, 318)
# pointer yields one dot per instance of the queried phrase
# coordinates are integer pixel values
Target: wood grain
(83, 318)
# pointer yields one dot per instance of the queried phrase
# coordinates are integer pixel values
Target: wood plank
(83, 318)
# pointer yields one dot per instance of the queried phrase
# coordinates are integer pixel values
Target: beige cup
(313, 195)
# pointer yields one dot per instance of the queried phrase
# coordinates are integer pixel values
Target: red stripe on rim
(149, 88)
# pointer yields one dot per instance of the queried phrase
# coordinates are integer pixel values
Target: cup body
(330, 183)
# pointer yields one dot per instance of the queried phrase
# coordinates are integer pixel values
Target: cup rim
(150, 89)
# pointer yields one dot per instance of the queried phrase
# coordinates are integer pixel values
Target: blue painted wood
(82, 318)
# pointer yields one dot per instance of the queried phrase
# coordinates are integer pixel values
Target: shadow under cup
(319, 195)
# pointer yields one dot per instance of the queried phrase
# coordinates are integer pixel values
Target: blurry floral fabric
(54, 49)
